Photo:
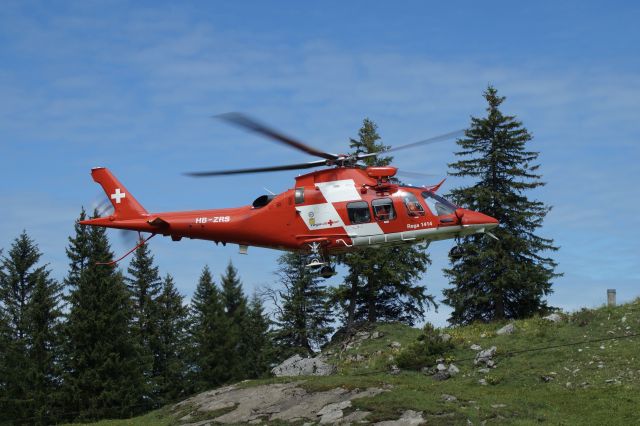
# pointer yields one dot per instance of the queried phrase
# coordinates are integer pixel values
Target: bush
(583, 317)
(424, 352)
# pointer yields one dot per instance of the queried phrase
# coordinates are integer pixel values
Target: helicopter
(342, 207)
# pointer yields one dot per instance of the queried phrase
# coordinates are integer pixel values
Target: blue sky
(132, 86)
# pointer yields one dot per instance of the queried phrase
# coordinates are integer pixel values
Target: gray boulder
(298, 366)
(485, 357)
(553, 318)
(507, 329)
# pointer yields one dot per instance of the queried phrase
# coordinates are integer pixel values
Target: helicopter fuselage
(332, 210)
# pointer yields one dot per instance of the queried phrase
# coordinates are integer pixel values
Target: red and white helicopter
(341, 208)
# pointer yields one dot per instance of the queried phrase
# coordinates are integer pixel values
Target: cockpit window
(359, 212)
(414, 208)
(438, 205)
(383, 209)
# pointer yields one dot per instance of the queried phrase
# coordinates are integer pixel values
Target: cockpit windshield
(438, 205)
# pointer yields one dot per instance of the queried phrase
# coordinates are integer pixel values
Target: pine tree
(210, 335)
(303, 321)
(257, 342)
(31, 332)
(78, 251)
(510, 277)
(171, 356)
(144, 286)
(381, 284)
(235, 307)
(5, 368)
(103, 375)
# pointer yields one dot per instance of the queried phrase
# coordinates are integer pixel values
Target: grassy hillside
(595, 382)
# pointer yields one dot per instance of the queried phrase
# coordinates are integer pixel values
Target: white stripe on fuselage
(325, 215)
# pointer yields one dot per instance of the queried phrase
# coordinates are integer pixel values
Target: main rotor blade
(417, 175)
(259, 169)
(435, 139)
(249, 123)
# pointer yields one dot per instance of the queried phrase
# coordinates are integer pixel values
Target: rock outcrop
(298, 366)
(280, 401)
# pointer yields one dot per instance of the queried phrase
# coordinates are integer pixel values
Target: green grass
(578, 392)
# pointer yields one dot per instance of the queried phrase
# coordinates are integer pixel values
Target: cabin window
(383, 209)
(299, 195)
(359, 212)
(414, 208)
(438, 205)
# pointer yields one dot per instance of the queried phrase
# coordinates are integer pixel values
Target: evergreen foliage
(235, 307)
(103, 374)
(29, 328)
(510, 277)
(144, 285)
(257, 342)
(381, 284)
(170, 358)
(304, 317)
(210, 335)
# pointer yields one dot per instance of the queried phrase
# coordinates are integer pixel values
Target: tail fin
(124, 204)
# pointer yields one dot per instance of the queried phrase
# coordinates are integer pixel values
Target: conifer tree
(257, 342)
(171, 356)
(144, 286)
(5, 368)
(303, 320)
(103, 376)
(381, 284)
(78, 251)
(30, 299)
(235, 307)
(209, 327)
(507, 278)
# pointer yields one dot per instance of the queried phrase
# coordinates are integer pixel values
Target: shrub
(583, 317)
(424, 352)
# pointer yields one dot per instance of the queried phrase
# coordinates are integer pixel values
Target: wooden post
(611, 297)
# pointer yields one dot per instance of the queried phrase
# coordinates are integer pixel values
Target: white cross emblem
(118, 195)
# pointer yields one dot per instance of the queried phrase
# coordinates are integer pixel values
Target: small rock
(362, 335)
(553, 318)
(439, 360)
(395, 345)
(453, 370)
(408, 418)
(483, 357)
(623, 319)
(441, 375)
(483, 335)
(332, 412)
(475, 347)
(484, 370)
(394, 370)
(449, 398)
(445, 337)
(507, 329)
(482, 382)
(491, 363)
(376, 335)
(547, 379)
(441, 367)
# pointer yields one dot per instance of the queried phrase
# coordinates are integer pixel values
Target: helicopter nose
(469, 217)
